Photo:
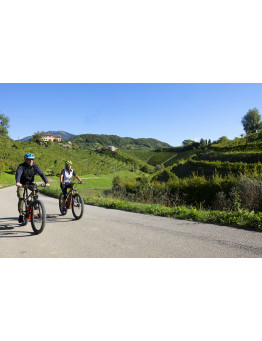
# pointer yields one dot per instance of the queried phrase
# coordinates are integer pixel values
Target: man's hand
(47, 184)
(18, 184)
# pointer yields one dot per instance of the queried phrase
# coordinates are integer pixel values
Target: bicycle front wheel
(38, 216)
(78, 206)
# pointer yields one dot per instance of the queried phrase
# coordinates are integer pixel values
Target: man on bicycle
(65, 178)
(25, 175)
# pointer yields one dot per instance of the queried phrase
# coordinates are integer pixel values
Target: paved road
(112, 233)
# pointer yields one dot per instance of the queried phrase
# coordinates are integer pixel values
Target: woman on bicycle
(65, 179)
(25, 176)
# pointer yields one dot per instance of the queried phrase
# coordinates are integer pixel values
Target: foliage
(37, 137)
(4, 124)
(95, 140)
(251, 121)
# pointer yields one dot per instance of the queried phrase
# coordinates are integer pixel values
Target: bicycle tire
(38, 216)
(78, 206)
(61, 205)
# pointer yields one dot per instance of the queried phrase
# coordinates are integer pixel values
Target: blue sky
(167, 112)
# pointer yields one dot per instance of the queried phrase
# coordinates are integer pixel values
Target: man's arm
(18, 175)
(41, 173)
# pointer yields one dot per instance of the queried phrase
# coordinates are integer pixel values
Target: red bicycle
(34, 209)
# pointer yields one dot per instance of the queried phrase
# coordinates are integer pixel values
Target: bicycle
(34, 209)
(74, 200)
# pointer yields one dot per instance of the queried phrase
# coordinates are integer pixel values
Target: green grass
(6, 180)
(92, 184)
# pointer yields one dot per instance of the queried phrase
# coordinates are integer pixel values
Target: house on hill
(112, 148)
(51, 137)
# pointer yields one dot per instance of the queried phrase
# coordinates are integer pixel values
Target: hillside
(95, 140)
(51, 158)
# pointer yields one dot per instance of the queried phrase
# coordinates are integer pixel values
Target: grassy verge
(6, 180)
(244, 219)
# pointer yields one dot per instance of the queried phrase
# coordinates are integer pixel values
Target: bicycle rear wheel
(38, 217)
(62, 208)
(78, 206)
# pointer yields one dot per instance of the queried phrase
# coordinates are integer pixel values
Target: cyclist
(65, 178)
(25, 175)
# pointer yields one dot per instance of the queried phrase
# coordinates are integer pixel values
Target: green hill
(51, 157)
(95, 140)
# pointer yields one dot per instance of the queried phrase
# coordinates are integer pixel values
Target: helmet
(29, 156)
(68, 162)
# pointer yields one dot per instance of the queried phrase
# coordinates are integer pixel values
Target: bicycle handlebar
(33, 185)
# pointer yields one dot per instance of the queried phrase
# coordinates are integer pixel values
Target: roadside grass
(93, 194)
(6, 180)
(241, 219)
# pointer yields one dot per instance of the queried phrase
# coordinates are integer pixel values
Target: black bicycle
(74, 200)
(34, 209)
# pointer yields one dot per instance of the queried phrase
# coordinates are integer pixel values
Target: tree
(37, 137)
(203, 144)
(187, 142)
(4, 124)
(223, 139)
(251, 121)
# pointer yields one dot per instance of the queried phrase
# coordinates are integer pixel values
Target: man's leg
(64, 190)
(20, 194)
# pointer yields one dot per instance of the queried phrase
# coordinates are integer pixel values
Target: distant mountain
(65, 136)
(93, 140)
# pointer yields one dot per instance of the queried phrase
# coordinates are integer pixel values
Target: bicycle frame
(70, 194)
(28, 199)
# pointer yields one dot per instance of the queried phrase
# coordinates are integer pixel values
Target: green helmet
(68, 162)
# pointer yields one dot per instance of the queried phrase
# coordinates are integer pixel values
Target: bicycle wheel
(78, 206)
(61, 207)
(38, 217)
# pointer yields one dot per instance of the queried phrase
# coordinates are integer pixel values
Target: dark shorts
(64, 188)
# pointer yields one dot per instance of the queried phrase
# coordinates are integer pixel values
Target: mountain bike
(73, 200)
(34, 209)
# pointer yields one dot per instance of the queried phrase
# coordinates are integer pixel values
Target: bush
(250, 192)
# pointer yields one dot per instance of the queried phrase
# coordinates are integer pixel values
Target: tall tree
(251, 121)
(37, 137)
(4, 124)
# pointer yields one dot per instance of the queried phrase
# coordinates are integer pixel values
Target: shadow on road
(9, 227)
(52, 218)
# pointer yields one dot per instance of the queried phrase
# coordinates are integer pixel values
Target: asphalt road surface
(113, 233)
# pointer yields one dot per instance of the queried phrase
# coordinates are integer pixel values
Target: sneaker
(21, 219)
